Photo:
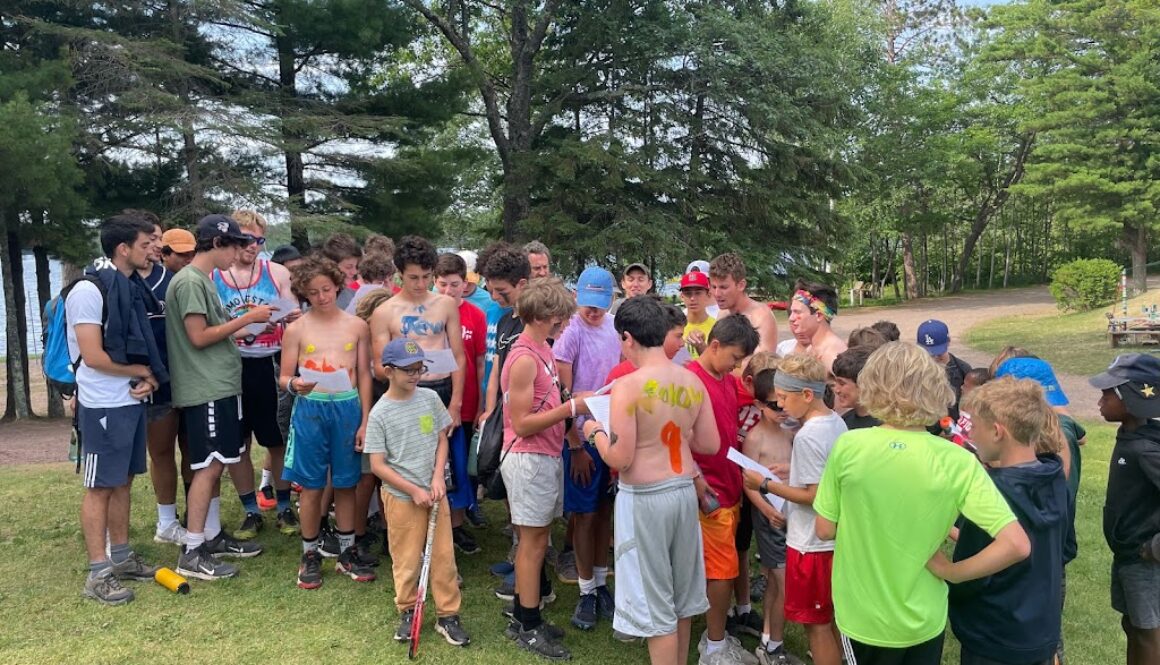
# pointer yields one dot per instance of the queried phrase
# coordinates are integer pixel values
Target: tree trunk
(292, 141)
(908, 267)
(991, 276)
(1007, 261)
(924, 285)
(18, 405)
(44, 294)
(874, 262)
(978, 268)
(1137, 241)
(893, 270)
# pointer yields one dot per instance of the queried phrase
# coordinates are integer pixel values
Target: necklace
(243, 292)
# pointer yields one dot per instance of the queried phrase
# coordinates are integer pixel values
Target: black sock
(545, 582)
(517, 609)
(532, 618)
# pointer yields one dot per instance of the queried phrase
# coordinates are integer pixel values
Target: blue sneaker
(584, 617)
(605, 604)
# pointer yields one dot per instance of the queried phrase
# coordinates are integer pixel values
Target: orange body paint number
(671, 437)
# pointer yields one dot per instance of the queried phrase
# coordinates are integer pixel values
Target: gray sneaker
(227, 545)
(780, 656)
(203, 565)
(134, 568)
(106, 588)
(734, 652)
(566, 568)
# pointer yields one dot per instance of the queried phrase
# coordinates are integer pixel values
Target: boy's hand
(753, 479)
(421, 497)
(360, 437)
(482, 417)
(706, 496)
(581, 466)
(293, 316)
(142, 390)
(696, 339)
(456, 412)
(438, 489)
(258, 314)
(302, 387)
(780, 470)
(771, 514)
(941, 567)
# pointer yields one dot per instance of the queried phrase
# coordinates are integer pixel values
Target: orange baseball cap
(179, 240)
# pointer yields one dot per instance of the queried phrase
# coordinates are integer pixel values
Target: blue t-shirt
(494, 313)
(158, 282)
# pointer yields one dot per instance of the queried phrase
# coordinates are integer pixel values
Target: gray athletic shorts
(535, 488)
(1136, 593)
(770, 542)
(660, 564)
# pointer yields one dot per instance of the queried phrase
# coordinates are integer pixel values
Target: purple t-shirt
(592, 350)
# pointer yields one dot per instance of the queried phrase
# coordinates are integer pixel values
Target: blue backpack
(58, 364)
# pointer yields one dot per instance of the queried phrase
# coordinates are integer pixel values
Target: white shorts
(535, 488)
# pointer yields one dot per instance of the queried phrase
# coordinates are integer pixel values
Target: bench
(1144, 331)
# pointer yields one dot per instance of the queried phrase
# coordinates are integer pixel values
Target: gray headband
(793, 384)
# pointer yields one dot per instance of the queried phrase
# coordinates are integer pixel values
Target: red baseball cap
(695, 280)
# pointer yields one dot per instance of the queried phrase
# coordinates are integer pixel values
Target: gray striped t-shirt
(407, 433)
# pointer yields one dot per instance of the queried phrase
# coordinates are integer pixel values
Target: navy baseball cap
(219, 226)
(595, 288)
(403, 352)
(1038, 371)
(934, 336)
(1136, 379)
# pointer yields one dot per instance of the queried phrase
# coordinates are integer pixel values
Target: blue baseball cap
(595, 288)
(403, 352)
(934, 336)
(1038, 371)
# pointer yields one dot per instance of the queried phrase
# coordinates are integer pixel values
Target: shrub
(1085, 284)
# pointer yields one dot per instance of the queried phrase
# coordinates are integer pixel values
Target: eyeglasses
(771, 404)
(256, 241)
(411, 371)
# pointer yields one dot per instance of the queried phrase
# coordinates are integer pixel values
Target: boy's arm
(618, 454)
(455, 341)
(91, 342)
(825, 529)
(380, 337)
(363, 376)
(800, 495)
(203, 335)
(520, 395)
(379, 466)
(706, 437)
(438, 487)
(288, 365)
(1010, 546)
(492, 391)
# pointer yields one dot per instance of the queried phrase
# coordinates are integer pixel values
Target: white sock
(587, 586)
(166, 515)
(600, 574)
(742, 609)
(265, 478)
(712, 647)
(374, 505)
(213, 518)
(193, 540)
(770, 645)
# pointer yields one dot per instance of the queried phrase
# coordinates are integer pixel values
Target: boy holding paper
(326, 365)
(770, 443)
(799, 384)
(659, 416)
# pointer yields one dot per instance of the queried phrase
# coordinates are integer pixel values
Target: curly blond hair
(902, 385)
(249, 219)
(802, 366)
(544, 298)
(1021, 407)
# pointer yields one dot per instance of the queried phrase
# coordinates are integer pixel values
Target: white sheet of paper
(601, 409)
(605, 389)
(331, 382)
(441, 361)
(284, 306)
(744, 462)
(255, 328)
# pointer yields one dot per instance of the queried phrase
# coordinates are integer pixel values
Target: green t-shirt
(1074, 432)
(895, 495)
(198, 375)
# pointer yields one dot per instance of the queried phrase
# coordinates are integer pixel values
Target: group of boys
(192, 340)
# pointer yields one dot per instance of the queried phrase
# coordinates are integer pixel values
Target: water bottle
(171, 580)
(74, 451)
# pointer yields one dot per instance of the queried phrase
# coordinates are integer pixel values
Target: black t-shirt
(855, 421)
(507, 331)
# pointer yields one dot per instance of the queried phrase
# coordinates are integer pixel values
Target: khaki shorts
(535, 488)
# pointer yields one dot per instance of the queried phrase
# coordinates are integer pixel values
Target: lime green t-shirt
(704, 326)
(895, 495)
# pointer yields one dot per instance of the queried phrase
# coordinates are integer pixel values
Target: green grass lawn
(262, 617)
(1072, 343)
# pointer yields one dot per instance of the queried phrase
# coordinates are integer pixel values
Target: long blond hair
(902, 385)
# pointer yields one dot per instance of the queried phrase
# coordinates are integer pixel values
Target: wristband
(592, 436)
(572, 405)
(764, 487)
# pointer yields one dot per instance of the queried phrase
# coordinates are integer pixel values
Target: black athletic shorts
(260, 402)
(214, 431)
(744, 534)
(442, 388)
(927, 653)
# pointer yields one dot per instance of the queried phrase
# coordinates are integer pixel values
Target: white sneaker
(174, 533)
(734, 652)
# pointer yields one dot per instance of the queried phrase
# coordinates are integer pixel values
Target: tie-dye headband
(815, 304)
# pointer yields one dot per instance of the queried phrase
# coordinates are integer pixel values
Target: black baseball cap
(219, 226)
(1136, 379)
(285, 253)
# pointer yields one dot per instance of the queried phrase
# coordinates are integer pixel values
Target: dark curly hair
(415, 251)
(504, 261)
(311, 267)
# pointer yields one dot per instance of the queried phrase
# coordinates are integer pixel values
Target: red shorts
(808, 599)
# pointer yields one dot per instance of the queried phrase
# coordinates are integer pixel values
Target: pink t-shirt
(546, 396)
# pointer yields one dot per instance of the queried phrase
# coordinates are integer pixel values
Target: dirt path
(41, 441)
(962, 312)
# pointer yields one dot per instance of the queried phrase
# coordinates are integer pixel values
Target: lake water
(32, 303)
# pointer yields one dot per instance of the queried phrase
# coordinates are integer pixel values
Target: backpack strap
(64, 293)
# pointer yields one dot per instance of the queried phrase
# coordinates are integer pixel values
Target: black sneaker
(757, 585)
(463, 541)
(351, 565)
(538, 642)
(605, 603)
(202, 564)
(328, 542)
(584, 617)
(225, 545)
(452, 631)
(475, 516)
(750, 624)
(507, 589)
(288, 523)
(403, 634)
(250, 527)
(366, 549)
(310, 570)
(375, 524)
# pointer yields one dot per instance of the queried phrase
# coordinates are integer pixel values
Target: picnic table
(1144, 330)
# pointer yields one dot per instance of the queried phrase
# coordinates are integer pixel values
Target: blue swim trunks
(322, 431)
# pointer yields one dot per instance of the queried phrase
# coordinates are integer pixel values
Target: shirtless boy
(329, 423)
(812, 309)
(429, 318)
(727, 277)
(658, 412)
